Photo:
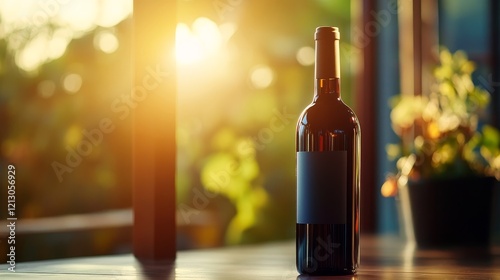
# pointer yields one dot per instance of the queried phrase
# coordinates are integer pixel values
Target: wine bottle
(328, 141)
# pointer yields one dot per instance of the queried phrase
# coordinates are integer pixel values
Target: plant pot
(448, 213)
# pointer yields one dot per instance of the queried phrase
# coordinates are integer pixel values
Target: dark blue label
(322, 187)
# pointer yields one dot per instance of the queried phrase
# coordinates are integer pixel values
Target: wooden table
(382, 258)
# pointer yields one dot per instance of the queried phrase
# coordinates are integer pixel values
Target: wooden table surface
(381, 258)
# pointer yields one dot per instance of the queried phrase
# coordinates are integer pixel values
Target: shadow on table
(156, 269)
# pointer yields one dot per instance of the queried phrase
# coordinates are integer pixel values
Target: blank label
(322, 187)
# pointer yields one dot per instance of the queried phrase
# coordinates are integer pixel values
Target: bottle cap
(327, 52)
(327, 32)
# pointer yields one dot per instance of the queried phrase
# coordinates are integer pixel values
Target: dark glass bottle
(328, 141)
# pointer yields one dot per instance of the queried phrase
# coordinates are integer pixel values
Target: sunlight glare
(227, 30)
(80, 16)
(208, 32)
(12, 11)
(59, 43)
(188, 49)
(67, 19)
(113, 11)
(200, 42)
(34, 54)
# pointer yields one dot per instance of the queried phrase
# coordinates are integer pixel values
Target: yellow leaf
(433, 130)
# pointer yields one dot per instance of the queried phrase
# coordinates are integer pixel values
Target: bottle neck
(327, 88)
(327, 64)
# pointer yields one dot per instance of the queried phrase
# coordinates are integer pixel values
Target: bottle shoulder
(333, 114)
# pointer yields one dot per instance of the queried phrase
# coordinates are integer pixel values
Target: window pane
(64, 77)
(245, 73)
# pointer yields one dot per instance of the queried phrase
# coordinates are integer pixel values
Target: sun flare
(203, 40)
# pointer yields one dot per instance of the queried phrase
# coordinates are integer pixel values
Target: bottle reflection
(311, 277)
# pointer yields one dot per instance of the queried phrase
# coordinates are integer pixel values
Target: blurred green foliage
(39, 130)
(238, 136)
(42, 121)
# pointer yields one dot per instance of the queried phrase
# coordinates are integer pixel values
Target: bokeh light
(34, 53)
(112, 12)
(59, 43)
(80, 16)
(261, 77)
(106, 41)
(40, 31)
(72, 83)
(305, 56)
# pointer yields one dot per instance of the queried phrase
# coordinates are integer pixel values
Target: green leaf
(491, 137)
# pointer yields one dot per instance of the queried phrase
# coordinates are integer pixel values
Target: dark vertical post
(365, 109)
(153, 105)
(417, 47)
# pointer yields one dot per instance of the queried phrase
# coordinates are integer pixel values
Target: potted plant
(448, 161)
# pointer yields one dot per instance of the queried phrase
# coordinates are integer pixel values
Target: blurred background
(244, 72)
